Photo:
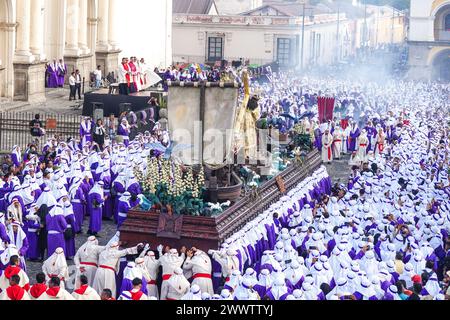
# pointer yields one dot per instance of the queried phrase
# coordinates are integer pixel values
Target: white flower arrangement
(168, 173)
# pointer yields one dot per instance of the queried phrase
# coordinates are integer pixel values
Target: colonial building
(429, 40)
(85, 33)
(290, 33)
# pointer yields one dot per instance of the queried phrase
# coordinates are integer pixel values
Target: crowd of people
(381, 235)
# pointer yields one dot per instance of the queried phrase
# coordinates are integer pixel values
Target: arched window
(447, 22)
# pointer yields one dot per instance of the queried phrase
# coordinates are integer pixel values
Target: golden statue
(245, 127)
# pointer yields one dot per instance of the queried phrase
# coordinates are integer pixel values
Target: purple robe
(78, 204)
(16, 161)
(127, 285)
(122, 131)
(109, 204)
(353, 137)
(123, 208)
(33, 238)
(216, 274)
(3, 234)
(85, 134)
(134, 188)
(294, 286)
(70, 243)
(86, 187)
(261, 290)
(96, 211)
(56, 226)
(61, 74)
(371, 135)
(52, 80)
(25, 245)
(120, 189)
(119, 276)
(271, 297)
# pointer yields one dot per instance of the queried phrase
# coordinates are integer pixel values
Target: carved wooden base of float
(208, 232)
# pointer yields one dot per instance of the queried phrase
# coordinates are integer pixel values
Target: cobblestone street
(339, 170)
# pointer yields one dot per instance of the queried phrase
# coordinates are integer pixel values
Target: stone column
(82, 28)
(103, 25)
(112, 22)
(72, 23)
(23, 53)
(37, 30)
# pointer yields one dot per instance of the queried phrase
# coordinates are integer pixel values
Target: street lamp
(338, 47)
(303, 37)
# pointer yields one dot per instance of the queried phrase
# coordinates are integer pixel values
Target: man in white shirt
(72, 85)
(98, 77)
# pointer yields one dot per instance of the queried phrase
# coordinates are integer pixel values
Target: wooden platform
(209, 232)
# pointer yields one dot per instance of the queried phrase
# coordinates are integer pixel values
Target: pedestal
(82, 63)
(29, 82)
(109, 61)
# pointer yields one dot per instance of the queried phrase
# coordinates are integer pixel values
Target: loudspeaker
(96, 108)
(98, 114)
(124, 107)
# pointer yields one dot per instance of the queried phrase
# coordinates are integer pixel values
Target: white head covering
(131, 272)
(20, 235)
(57, 261)
(178, 281)
(225, 295)
(47, 198)
(432, 286)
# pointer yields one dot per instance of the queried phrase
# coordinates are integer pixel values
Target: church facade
(429, 40)
(33, 32)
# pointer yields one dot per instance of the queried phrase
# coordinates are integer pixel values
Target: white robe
(87, 256)
(61, 271)
(362, 144)
(200, 264)
(169, 263)
(381, 140)
(89, 294)
(152, 265)
(337, 143)
(345, 135)
(327, 142)
(62, 295)
(176, 287)
(105, 278)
